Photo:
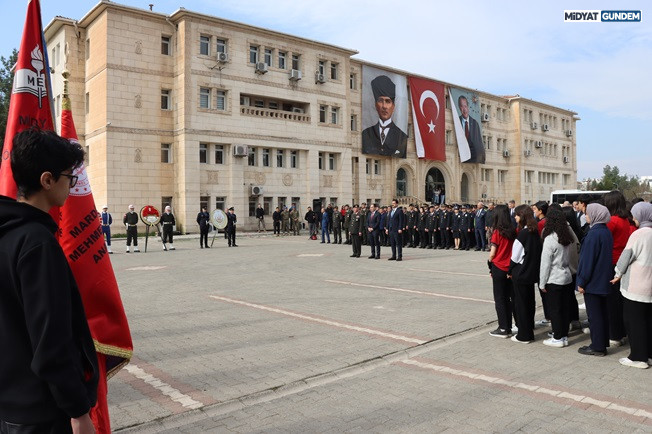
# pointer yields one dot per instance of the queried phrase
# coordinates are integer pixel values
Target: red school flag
(30, 95)
(83, 244)
(429, 115)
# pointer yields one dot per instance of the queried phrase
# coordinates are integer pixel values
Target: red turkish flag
(30, 95)
(83, 244)
(429, 116)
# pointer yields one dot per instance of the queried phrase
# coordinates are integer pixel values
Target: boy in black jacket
(48, 382)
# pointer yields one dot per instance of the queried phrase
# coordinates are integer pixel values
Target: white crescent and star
(426, 95)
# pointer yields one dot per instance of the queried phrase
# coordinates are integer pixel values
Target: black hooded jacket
(49, 366)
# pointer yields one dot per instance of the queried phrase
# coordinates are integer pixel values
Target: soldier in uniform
(130, 221)
(443, 228)
(355, 229)
(294, 217)
(337, 226)
(276, 218)
(106, 227)
(203, 220)
(347, 223)
(363, 216)
(456, 226)
(464, 228)
(231, 220)
(285, 216)
(168, 222)
(430, 227)
(423, 228)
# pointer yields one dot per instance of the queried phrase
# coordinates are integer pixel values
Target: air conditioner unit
(485, 117)
(320, 78)
(544, 127)
(261, 68)
(295, 75)
(256, 190)
(538, 144)
(569, 133)
(566, 159)
(240, 150)
(222, 57)
(528, 152)
(534, 125)
(298, 110)
(245, 100)
(506, 153)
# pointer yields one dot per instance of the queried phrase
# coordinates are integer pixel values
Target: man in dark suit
(480, 224)
(512, 214)
(384, 137)
(472, 132)
(230, 226)
(373, 229)
(395, 225)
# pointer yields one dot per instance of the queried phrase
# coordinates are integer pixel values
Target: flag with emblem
(429, 116)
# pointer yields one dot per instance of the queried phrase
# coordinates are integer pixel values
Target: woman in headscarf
(634, 271)
(594, 274)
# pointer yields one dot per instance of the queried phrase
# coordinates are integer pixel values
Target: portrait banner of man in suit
(384, 113)
(468, 131)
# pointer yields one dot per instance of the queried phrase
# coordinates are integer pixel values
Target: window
(204, 45)
(282, 55)
(281, 202)
(204, 97)
(273, 105)
(203, 153)
(322, 114)
(203, 202)
(268, 56)
(528, 176)
(165, 45)
(280, 158)
(265, 157)
(296, 61)
(220, 44)
(220, 202)
(354, 123)
(259, 103)
(165, 99)
(566, 179)
(219, 154)
(166, 152)
(88, 49)
(448, 137)
(486, 175)
(331, 161)
(253, 54)
(502, 175)
(251, 157)
(367, 165)
(353, 81)
(321, 161)
(376, 167)
(253, 203)
(321, 67)
(221, 100)
(267, 204)
(334, 115)
(88, 102)
(294, 159)
(333, 71)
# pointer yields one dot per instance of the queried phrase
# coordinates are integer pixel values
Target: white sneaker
(172, 247)
(514, 329)
(513, 338)
(556, 343)
(108, 249)
(165, 249)
(586, 331)
(128, 250)
(136, 250)
(618, 343)
(582, 306)
(542, 323)
(626, 362)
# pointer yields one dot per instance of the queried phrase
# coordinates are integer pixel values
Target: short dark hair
(616, 204)
(542, 206)
(585, 199)
(37, 151)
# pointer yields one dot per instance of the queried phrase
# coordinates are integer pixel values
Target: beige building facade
(189, 110)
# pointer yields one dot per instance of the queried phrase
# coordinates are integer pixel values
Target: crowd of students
(603, 250)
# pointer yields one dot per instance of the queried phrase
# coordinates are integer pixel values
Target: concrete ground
(291, 335)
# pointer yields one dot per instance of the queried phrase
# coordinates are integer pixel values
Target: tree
(630, 186)
(6, 83)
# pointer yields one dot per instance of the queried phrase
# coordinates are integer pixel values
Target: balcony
(274, 114)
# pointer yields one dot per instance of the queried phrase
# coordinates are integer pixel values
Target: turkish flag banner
(80, 236)
(30, 95)
(429, 118)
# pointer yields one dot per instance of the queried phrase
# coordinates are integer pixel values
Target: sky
(599, 70)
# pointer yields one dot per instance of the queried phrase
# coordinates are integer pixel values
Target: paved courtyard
(290, 335)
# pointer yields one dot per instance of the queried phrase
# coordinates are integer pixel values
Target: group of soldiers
(285, 221)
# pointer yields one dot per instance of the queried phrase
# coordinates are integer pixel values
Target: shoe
(371, 257)
(201, 247)
(235, 245)
(588, 351)
(586, 331)
(352, 256)
(551, 335)
(127, 251)
(207, 247)
(328, 242)
(574, 325)
(391, 259)
(323, 242)
(640, 365)
(477, 249)
(377, 257)
(542, 323)
(514, 329)
(557, 343)
(172, 248)
(513, 338)
(500, 333)
(399, 259)
(616, 344)
(136, 250)
(582, 306)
